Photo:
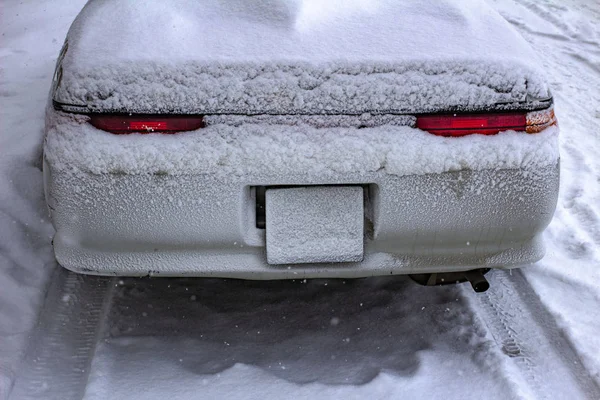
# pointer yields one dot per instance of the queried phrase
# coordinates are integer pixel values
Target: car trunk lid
(296, 57)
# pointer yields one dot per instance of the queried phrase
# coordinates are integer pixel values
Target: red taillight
(121, 124)
(486, 124)
(466, 124)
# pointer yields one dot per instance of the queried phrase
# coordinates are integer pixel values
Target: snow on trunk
(300, 57)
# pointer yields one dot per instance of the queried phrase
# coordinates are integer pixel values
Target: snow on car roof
(290, 55)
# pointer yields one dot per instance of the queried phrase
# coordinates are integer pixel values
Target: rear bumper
(202, 225)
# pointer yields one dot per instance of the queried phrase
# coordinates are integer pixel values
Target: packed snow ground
(566, 37)
(31, 34)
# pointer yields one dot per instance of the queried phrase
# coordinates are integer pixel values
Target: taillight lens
(437, 124)
(537, 121)
(122, 124)
(486, 124)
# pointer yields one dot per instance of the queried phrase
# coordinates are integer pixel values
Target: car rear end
(262, 167)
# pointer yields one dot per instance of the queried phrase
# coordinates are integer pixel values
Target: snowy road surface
(372, 338)
(535, 334)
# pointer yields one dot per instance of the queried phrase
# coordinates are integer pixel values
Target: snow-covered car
(298, 138)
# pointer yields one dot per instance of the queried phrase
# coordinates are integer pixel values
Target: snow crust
(296, 56)
(294, 147)
(299, 88)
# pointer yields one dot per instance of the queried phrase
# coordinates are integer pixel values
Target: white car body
(307, 97)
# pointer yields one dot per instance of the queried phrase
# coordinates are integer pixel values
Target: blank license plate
(321, 224)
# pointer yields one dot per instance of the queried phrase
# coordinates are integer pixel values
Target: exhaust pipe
(477, 280)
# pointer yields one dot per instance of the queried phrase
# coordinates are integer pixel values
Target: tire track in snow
(528, 335)
(561, 279)
(57, 361)
(551, 12)
(586, 62)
